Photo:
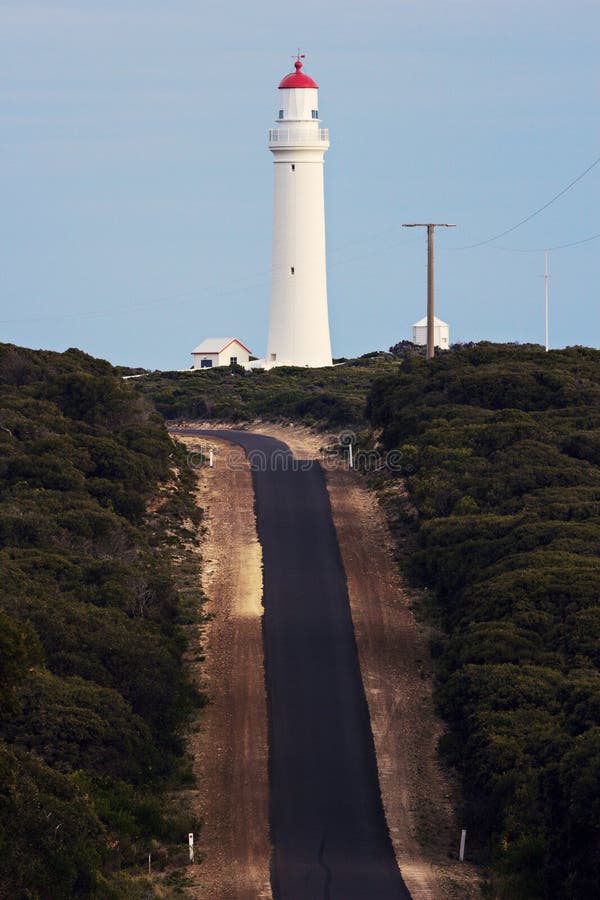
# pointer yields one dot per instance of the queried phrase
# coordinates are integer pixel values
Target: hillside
(503, 444)
(500, 449)
(93, 691)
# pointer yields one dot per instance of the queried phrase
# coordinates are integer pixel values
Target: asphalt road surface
(328, 829)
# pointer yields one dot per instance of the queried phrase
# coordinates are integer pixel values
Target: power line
(533, 214)
(592, 237)
(167, 299)
(227, 287)
(221, 289)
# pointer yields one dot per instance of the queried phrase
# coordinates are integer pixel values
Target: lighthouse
(298, 321)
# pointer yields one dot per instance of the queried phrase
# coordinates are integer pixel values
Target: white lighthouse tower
(299, 323)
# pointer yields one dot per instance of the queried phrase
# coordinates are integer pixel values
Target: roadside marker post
(211, 458)
(191, 843)
(461, 852)
(350, 457)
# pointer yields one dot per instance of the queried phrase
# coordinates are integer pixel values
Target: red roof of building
(298, 79)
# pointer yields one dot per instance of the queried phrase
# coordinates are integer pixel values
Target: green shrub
(507, 484)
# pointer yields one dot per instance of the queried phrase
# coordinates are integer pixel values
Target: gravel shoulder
(229, 744)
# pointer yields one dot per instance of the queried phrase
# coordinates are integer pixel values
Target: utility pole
(546, 277)
(430, 226)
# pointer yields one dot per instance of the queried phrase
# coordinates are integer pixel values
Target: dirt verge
(229, 747)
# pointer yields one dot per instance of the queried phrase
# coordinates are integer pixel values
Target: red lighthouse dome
(298, 79)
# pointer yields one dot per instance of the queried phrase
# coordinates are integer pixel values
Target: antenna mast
(546, 277)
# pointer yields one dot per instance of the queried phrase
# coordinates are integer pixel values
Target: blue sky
(136, 182)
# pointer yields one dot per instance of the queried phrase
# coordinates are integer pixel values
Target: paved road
(327, 825)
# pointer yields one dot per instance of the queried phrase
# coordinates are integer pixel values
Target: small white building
(220, 352)
(441, 333)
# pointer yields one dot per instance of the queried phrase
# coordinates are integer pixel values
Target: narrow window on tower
(281, 114)
(315, 113)
(293, 167)
(291, 270)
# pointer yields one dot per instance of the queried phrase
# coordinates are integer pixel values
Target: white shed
(441, 333)
(220, 352)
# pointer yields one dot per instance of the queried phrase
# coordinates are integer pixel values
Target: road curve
(330, 839)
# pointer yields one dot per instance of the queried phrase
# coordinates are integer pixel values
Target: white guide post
(298, 322)
(461, 852)
(191, 845)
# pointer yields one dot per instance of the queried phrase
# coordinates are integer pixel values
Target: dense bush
(504, 442)
(93, 692)
(332, 397)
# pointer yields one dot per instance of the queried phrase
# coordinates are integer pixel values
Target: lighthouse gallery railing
(297, 135)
